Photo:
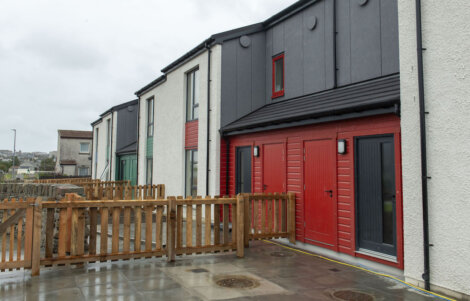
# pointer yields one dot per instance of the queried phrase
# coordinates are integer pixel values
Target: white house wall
(112, 168)
(100, 153)
(170, 119)
(446, 37)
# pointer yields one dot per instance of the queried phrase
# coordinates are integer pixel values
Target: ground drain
(198, 270)
(236, 281)
(349, 295)
(281, 254)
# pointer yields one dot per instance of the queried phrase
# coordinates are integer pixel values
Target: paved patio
(272, 272)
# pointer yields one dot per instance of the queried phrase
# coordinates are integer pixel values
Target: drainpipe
(138, 140)
(209, 51)
(335, 36)
(422, 128)
(111, 148)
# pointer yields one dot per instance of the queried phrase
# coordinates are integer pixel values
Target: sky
(63, 63)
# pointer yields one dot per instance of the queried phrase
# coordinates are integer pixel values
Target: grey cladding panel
(390, 56)
(329, 44)
(268, 58)
(314, 50)
(243, 81)
(293, 57)
(229, 80)
(126, 127)
(343, 42)
(258, 91)
(278, 39)
(366, 57)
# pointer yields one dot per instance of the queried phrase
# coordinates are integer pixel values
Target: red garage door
(320, 194)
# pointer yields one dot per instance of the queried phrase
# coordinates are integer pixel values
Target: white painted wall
(446, 37)
(142, 152)
(170, 118)
(99, 154)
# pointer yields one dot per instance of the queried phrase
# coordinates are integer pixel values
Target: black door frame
(238, 152)
(356, 192)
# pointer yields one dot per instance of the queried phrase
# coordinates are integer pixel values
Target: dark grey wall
(367, 47)
(127, 127)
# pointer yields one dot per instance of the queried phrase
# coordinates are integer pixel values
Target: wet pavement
(268, 272)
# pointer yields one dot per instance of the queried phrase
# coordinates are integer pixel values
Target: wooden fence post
(171, 223)
(247, 220)
(291, 216)
(240, 227)
(36, 247)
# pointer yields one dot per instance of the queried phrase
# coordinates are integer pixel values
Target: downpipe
(209, 51)
(422, 127)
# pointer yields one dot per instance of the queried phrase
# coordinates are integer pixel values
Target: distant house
(115, 143)
(74, 153)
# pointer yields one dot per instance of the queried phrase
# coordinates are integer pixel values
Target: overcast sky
(62, 63)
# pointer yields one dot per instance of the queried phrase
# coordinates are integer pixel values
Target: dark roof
(116, 108)
(377, 94)
(228, 35)
(131, 148)
(76, 134)
(68, 162)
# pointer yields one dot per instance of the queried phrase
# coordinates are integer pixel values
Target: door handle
(331, 192)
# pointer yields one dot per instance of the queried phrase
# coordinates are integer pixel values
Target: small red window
(278, 75)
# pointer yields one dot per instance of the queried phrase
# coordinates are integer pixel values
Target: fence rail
(76, 230)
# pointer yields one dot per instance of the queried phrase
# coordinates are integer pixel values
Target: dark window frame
(150, 117)
(191, 175)
(276, 94)
(191, 98)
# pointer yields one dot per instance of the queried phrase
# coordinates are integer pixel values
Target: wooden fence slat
(240, 227)
(283, 215)
(171, 224)
(74, 234)
(189, 225)
(104, 231)
(269, 223)
(226, 220)
(63, 232)
(233, 209)
(291, 217)
(49, 232)
(148, 228)
(81, 232)
(19, 238)
(11, 247)
(4, 235)
(93, 231)
(36, 244)
(159, 228)
(115, 235)
(127, 230)
(198, 225)
(276, 213)
(246, 220)
(207, 224)
(179, 226)
(216, 224)
(137, 228)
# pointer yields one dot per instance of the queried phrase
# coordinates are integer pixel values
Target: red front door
(274, 175)
(320, 192)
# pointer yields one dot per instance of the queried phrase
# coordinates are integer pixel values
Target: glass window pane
(196, 112)
(196, 87)
(189, 96)
(149, 171)
(188, 173)
(279, 75)
(194, 180)
(388, 192)
(84, 147)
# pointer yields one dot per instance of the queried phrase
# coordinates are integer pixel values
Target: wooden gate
(16, 233)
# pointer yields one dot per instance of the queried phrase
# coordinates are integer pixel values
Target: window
(150, 116)
(192, 91)
(148, 177)
(96, 152)
(84, 148)
(83, 171)
(108, 139)
(191, 172)
(278, 76)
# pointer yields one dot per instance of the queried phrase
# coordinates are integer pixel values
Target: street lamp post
(14, 154)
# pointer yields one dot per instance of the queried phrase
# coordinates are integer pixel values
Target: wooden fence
(74, 181)
(78, 230)
(122, 190)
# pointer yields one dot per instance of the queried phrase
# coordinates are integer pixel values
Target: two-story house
(115, 143)
(74, 153)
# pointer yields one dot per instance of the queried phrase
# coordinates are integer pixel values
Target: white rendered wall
(170, 119)
(100, 153)
(112, 167)
(446, 37)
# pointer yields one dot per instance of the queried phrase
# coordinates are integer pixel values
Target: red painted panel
(274, 175)
(320, 204)
(294, 139)
(191, 134)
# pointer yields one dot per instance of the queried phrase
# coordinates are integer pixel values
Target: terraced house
(309, 101)
(115, 143)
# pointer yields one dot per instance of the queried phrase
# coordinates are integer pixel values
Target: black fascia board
(150, 85)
